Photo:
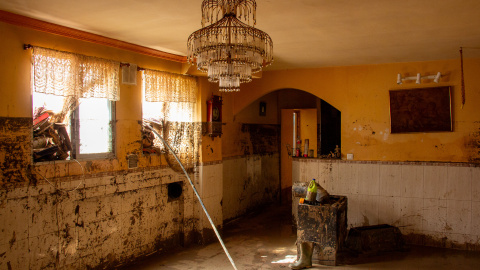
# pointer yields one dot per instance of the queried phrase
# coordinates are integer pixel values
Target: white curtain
(173, 98)
(74, 75)
(169, 87)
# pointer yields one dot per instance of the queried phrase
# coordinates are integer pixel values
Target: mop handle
(198, 196)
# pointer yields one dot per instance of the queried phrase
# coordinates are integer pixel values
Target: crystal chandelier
(229, 49)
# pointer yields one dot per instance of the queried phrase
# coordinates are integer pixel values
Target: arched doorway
(310, 128)
(257, 160)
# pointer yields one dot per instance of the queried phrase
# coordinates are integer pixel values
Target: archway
(262, 120)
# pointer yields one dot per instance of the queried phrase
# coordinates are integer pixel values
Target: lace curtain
(168, 87)
(74, 76)
(174, 98)
(68, 74)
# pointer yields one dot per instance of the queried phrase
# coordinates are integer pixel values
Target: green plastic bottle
(311, 192)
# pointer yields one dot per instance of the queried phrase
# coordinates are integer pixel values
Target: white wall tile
(346, 183)
(40, 218)
(214, 210)
(302, 171)
(327, 172)
(391, 180)
(362, 210)
(311, 171)
(459, 183)
(41, 253)
(412, 179)
(475, 229)
(476, 184)
(218, 185)
(435, 182)
(434, 215)
(16, 217)
(386, 211)
(368, 179)
(411, 213)
(391, 183)
(369, 209)
(212, 181)
(459, 216)
(354, 218)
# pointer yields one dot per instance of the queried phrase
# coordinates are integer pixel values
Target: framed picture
(421, 110)
(263, 109)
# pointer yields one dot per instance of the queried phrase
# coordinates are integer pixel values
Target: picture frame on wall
(263, 109)
(421, 110)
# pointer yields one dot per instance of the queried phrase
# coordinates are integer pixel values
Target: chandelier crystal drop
(230, 49)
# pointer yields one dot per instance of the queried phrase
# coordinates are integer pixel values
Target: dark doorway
(329, 128)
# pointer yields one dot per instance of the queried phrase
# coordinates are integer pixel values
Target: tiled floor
(265, 240)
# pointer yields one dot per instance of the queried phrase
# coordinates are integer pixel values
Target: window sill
(80, 159)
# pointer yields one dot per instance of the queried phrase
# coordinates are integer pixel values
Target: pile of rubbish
(50, 140)
(148, 139)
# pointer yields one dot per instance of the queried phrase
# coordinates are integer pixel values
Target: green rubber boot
(305, 260)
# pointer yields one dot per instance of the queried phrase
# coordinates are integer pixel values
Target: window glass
(95, 126)
(90, 136)
(50, 102)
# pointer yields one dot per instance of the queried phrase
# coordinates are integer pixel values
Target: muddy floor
(265, 240)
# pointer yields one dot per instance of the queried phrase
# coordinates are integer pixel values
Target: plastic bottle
(311, 196)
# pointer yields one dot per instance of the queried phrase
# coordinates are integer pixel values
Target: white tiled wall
(210, 189)
(438, 200)
(249, 182)
(119, 216)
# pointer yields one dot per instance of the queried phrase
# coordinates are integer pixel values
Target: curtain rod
(188, 75)
(128, 64)
(30, 46)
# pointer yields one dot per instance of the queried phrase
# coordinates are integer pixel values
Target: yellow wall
(16, 101)
(44, 196)
(361, 93)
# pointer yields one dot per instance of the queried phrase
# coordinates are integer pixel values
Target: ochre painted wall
(15, 90)
(361, 93)
(15, 87)
(38, 201)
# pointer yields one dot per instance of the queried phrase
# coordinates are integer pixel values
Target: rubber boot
(305, 261)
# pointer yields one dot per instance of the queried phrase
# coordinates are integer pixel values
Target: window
(93, 128)
(169, 100)
(74, 105)
(90, 127)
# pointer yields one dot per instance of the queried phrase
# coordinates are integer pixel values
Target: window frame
(75, 136)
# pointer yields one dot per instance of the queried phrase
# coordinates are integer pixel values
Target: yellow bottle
(311, 192)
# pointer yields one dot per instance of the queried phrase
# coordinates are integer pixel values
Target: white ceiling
(305, 33)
